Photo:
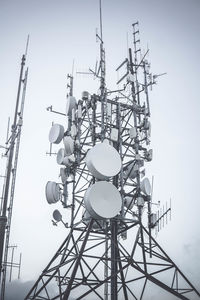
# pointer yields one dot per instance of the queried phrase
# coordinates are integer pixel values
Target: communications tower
(11, 148)
(109, 252)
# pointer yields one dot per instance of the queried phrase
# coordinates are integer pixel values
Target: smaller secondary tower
(11, 152)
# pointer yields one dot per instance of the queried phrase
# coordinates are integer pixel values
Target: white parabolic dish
(52, 192)
(62, 159)
(60, 156)
(146, 186)
(103, 161)
(56, 133)
(103, 200)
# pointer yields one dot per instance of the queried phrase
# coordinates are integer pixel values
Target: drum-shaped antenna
(103, 200)
(56, 134)
(60, 156)
(146, 186)
(57, 215)
(69, 145)
(64, 176)
(62, 159)
(52, 192)
(103, 161)
(71, 103)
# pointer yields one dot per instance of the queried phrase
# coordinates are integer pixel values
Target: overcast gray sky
(61, 31)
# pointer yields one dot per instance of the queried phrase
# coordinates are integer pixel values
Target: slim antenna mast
(102, 53)
(13, 150)
(8, 128)
(103, 73)
(101, 26)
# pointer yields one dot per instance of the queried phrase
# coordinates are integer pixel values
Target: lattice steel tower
(12, 147)
(109, 251)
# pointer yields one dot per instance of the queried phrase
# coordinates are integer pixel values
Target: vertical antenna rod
(101, 30)
(102, 74)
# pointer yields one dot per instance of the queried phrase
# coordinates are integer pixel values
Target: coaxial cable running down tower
(109, 252)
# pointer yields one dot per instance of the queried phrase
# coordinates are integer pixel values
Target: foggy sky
(61, 31)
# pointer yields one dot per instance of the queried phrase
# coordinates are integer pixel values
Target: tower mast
(12, 152)
(109, 250)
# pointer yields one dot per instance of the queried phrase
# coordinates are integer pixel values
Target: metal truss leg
(69, 286)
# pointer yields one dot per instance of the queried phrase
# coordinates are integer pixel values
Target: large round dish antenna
(146, 186)
(71, 103)
(103, 200)
(69, 145)
(52, 192)
(56, 134)
(103, 161)
(57, 215)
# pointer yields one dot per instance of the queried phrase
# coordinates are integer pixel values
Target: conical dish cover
(60, 156)
(103, 200)
(52, 192)
(146, 186)
(103, 161)
(56, 134)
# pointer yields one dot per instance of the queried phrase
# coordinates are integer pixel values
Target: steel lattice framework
(114, 258)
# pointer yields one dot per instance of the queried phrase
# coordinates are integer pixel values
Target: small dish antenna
(61, 158)
(52, 192)
(56, 134)
(146, 187)
(57, 215)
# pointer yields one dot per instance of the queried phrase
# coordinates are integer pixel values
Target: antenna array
(109, 252)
